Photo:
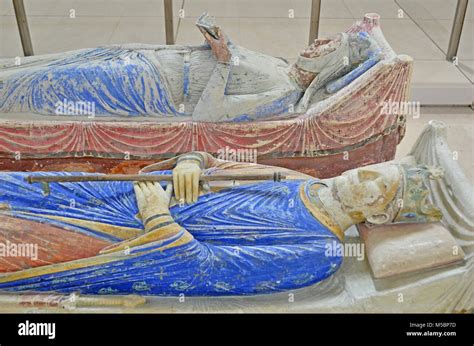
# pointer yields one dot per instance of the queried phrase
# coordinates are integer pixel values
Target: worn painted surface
(240, 240)
(318, 166)
(114, 80)
(55, 244)
(148, 80)
(349, 119)
(134, 80)
(352, 288)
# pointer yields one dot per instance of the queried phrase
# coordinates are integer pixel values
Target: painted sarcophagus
(247, 239)
(347, 129)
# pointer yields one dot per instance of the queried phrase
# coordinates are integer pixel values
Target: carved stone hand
(218, 46)
(186, 181)
(152, 199)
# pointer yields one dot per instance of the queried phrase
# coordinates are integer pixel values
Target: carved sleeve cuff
(194, 156)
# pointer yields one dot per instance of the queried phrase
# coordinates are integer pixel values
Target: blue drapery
(102, 81)
(248, 239)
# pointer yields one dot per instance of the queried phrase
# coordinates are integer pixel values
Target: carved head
(384, 193)
(315, 51)
(366, 194)
(333, 57)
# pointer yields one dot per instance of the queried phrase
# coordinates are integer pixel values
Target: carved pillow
(404, 248)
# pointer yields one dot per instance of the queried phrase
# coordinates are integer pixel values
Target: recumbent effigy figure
(261, 237)
(218, 81)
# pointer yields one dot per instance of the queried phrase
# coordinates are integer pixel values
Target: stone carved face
(318, 48)
(367, 194)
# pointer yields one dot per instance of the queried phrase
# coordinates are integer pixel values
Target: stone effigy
(253, 238)
(301, 116)
(216, 82)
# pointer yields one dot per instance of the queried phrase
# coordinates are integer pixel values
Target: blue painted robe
(248, 239)
(106, 80)
(109, 81)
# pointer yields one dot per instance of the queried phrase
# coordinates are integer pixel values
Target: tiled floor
(435, 18)
(422, 32)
